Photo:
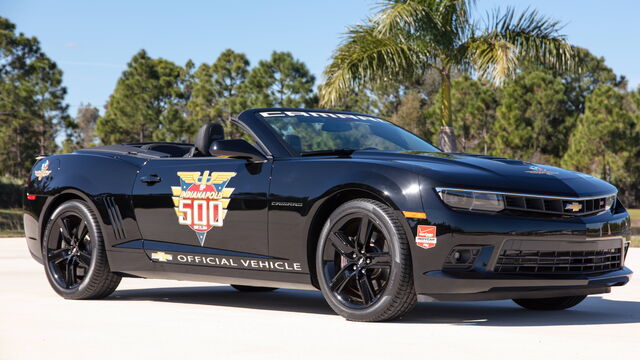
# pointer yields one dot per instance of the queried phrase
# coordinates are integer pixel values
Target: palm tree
(408, 38)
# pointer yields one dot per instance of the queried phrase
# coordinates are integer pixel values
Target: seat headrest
(207, 134)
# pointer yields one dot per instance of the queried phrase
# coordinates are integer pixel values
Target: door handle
(150, 179)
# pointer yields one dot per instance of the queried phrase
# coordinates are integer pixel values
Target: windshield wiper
(328, 152)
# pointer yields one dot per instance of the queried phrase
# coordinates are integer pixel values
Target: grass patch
(11, 223)
(635, 217)
(635, 226)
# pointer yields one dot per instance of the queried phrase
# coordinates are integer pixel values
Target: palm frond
(461, 24)
(443, 22)
(368, 58)
(409, 15)
(508, 38)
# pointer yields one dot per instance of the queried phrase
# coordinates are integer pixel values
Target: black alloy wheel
(69, 250)
(74, 256)
(363, 262)
(356, 260)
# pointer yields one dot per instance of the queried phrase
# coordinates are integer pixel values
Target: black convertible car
(370, 214)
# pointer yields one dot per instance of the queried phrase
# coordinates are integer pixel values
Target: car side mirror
(236, 148)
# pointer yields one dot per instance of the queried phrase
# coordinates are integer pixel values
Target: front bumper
(454, 288)
(491, 234)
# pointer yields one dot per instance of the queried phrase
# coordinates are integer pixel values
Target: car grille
(550, 205)
(559, 262)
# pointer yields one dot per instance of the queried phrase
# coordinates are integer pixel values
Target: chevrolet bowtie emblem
(574, 206)
(161, 256)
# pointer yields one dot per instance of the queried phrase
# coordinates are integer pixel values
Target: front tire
(74, 256)
(556, 303)
(363, 262)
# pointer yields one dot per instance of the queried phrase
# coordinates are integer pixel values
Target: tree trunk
(484, 138)
(447, 138)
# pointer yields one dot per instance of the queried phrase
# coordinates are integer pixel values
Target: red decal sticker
(426, 238)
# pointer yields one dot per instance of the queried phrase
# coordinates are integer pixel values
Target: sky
(92, 41)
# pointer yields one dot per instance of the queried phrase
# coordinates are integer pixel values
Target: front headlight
(472, 200)
(609, 201)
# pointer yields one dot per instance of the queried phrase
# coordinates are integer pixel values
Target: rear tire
(556, 303)
(245, 288)
(74, 255)
(363, 262)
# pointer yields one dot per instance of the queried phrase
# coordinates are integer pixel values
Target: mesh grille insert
(578, 207)
(559, 262)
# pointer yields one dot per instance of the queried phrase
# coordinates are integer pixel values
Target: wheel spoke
(84, 259)
(379, 260)
(80, 231)
(366, 288)
(342, 244)
(364, 232)
(55, 256)
(342, 277)
(65, 229)
(70, 272)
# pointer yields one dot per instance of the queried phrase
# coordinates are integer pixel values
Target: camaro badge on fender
(201, 200)
(426, 237)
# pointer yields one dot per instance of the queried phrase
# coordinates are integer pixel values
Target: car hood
(494, 173)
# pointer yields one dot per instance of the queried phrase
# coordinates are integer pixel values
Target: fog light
(456, 256)
(462, 258)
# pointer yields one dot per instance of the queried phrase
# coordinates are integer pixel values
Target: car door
(205, 205)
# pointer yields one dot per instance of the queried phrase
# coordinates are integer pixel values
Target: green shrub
(11, 222)
(11, 193)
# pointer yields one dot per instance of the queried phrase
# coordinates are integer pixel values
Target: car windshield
(317, 132)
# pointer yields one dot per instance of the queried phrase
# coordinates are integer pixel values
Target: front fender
(305, 191)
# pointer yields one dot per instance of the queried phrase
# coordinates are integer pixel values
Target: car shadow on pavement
(302, 301)
(595, 310)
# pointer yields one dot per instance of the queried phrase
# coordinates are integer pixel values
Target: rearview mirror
(236, 148)
(336, 126)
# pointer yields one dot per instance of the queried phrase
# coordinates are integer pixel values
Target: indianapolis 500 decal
(201, 200)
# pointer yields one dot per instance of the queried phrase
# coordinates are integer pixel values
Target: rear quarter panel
(97, 179)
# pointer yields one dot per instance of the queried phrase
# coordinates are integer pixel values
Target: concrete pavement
(159, 319)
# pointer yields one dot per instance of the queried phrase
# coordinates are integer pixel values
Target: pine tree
(148, 103)
(281, 81)
(530, 118)
(32, 109)
(605, 141)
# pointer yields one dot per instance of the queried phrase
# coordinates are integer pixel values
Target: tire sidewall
(384, 223)
(81, 209)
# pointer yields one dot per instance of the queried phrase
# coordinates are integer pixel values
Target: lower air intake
(532, 262)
